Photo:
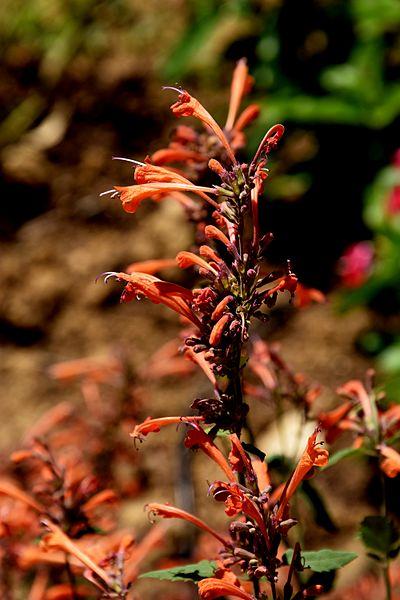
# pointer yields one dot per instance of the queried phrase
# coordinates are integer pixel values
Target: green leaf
(341, 454)
(379, 534)
(321, 561)
(194, 572)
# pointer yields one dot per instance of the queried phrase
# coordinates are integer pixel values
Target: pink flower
(355, 264)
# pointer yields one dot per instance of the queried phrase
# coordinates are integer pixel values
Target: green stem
(388, 585)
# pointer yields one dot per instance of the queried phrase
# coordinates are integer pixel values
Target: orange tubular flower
(355, 390)
(218, 329)
(188, 259)
(210, 254)
(313, 456)
(237, 501)
(132, 195)
(58, 540)
(171, 512)
(241, 83)
(150, 425)
(157, 291)
(237, 457)
(198, 358)
(330, 421)
(9, 489)
(174, 155)
(213, 233)
(212, 587)
(151, 266)
(246, 117)
(188, 106)
(220, 308)
(198, 438)
(390, 464)
(306, 296)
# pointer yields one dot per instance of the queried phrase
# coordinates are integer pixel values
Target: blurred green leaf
(379, 534)
(341, 455)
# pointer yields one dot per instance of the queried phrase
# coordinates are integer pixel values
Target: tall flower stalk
(234, 287)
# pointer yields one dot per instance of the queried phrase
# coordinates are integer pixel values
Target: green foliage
(334, 459)
(194, 572)
(321, 561)
(381, 537)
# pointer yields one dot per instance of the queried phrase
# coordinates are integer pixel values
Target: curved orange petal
(166, 511)
(212, 587)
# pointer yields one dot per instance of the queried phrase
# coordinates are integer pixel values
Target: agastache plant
(221, 195)
(234, 290)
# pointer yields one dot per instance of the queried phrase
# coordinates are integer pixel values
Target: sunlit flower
(151, 425)
(198, 438)
(188, 106)
(313, 456)
(157, 291)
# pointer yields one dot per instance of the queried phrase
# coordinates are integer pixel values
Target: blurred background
(81, 82)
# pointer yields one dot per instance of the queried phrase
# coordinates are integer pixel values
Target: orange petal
(188, 259)
(390, 465)
(198, 438)
(171, 512)
(212, 587)
(241, 83)
(150, 425)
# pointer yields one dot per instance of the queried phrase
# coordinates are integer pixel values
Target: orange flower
(237, 501)
(213, 233)
(220, 308)
(306, 296)
(287, 283)
(210, 254)
(218, 329)
(188, 259)
(151, 266)
(237, 457)
(9, 489)
(148, 173)
(212, 587)
(188, 106)
(131, 196)
(241, 83)
(150, 425)
(390, 465)
(198, 438)
(157, 291)
(58, 540)
(330, 421)
(166, 511)
(174, 155)
(97, 369)
(98, 499)
(246, 117)
(313, 456)
(356, 391)
(198, 358)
